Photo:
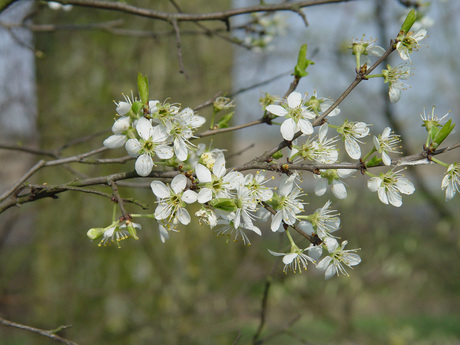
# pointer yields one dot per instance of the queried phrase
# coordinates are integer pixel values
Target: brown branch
(216, 16)
(31, 171)
(179, 47)
(49, 334)
(117, 196)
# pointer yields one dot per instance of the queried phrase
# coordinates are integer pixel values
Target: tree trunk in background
(18, 109)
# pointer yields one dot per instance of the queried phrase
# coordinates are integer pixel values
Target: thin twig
(179, 47)
(29, 173)
(117, 196)
(49, 334)
(216, 16)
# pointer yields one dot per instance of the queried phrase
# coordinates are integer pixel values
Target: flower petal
(144, 165)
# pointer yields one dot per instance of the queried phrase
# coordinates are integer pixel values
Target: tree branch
(222, 16)
(49, 334)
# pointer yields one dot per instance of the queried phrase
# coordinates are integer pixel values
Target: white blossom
(297, 116)
(297, 259)
(385, 143)
(288, 203)
(389, 186)
(151, 143)
(172, 199)
(451, 181)
(351, 133)
(392, 76)
(217, 184)
(334, 262)
(409, 42)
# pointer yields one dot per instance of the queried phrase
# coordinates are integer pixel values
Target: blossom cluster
(156, 129)
(233, 204)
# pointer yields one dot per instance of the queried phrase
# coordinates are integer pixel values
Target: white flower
(332, 178)
(288, 204)
(451, 181)
(322, 150)
(392, 76)
(297, 116)
(385, 143)
(207, 216)
(323, 222)
(120, 129)
(115, 233)
(151, 143)
(408, 42)
(351, 133)
(217, 184)
(297, 259)
(389, 186)
(229, 228)
(172, 199)
(363, 48)
(181, 130)
(255, 184)
(319, 105)
(333, 263)
(245, 207)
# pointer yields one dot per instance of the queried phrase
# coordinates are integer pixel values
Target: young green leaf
(143, 87)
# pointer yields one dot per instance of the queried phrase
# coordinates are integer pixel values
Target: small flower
(391, 76)
(297, 259)
(385, 143)
(331, 177)
(319, 105)
(351, 133)
(115, 233)
(223, 103)
(172, 199)
(297, 116)
(409, 42)
(151, 143)
(432, 120)
(333, 263)
(120, 130)
(255, 185)
(389, 186)
(217, 184)
(207, 216)
(287, 203)
(451, 181)
(363, 48)
(323, 222)
(229, 228)
(320, 150)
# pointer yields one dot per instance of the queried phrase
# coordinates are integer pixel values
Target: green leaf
(277, 155)
(143, 87)
(223, 122)
(443, 133)
(374, 161)
(409, 21)
(224, 204)
(302, 63)
(136, 107)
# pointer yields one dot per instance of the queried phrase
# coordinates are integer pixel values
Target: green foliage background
(196, 288)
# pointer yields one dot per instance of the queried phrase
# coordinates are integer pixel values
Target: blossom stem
(211, 126)
(437, 161)
(291, 240)
(369, 154)
(375, 76)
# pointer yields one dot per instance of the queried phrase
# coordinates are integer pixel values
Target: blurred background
(196, 288)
